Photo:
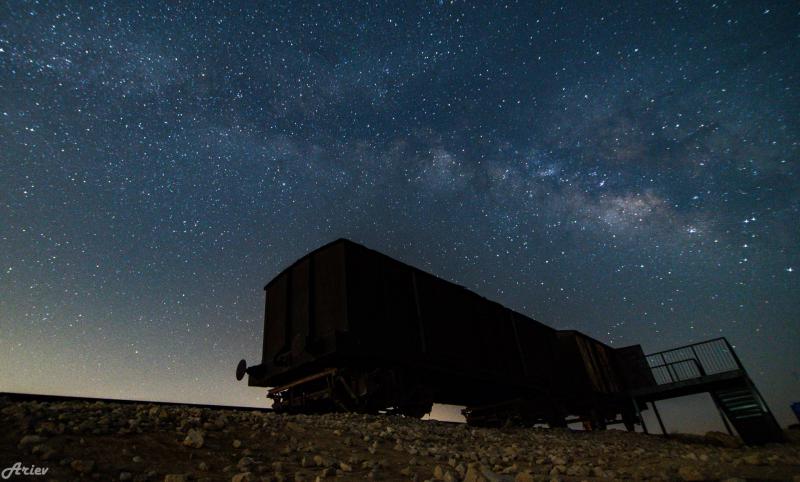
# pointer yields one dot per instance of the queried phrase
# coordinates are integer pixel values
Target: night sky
(628, 172)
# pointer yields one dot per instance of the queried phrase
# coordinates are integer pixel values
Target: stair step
(738, 401)
(747, 417)
(728, 395)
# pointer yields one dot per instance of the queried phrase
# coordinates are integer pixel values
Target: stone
(237, 443)
(125, 476)
(137, 459)
(194, 438)
(50, 428)
(438, 472)
(294, 427)
(243, 477)
(221, 421)
(176, 478)
(687, 472)
(723, 439)
(345, 467)
(523, 477)
(202, 467)
(474, 474)
(29, 440)
(82, 466)
(48, 454)
(39, 449)
(752, 459)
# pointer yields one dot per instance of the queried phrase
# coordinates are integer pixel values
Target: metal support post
(658, 417)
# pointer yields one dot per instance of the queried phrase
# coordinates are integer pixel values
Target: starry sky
(630, 172)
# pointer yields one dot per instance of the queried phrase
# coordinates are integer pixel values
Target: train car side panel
(275, 317)
(330, 305)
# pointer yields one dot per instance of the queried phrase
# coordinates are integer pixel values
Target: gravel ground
(78, 440)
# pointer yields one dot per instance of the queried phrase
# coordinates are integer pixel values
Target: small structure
(711, 367)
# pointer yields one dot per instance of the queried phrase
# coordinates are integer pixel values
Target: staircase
(743, 407)
(712, 367)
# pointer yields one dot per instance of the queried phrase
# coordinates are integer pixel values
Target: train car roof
(418, 270)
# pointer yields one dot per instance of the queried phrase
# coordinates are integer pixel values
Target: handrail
(704, 358)
(674, 374)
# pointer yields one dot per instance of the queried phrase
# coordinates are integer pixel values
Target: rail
(693, 361)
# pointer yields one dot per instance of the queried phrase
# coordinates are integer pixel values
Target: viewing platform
(711, 367)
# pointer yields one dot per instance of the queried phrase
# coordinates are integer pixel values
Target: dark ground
(102, 440)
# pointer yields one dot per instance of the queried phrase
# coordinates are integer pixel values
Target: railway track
(28, 397)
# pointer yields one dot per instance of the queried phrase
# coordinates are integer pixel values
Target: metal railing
(693, 361)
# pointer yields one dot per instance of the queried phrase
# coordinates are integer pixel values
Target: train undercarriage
(402, 392)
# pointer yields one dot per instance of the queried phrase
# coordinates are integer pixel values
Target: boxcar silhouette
(349, 329)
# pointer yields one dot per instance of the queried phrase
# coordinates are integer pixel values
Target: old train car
(348, 328)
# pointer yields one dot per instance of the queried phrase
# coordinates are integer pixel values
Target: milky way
(628, 172)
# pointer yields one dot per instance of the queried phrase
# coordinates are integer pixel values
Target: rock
(294, 427)
(137, 459)
(688, 472)
(523, 477)
(125, 476)
(723, 439)
(48, 454)
(194, 438)
(243, 477)
(221, 421)
(345, 467)
(438, 472)
(202, 467)
(176, 478)
(752, 459)
(39, 449)
(50, 428)
(29, 440)
(237, 444)
(82, 466)
(474, 475)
